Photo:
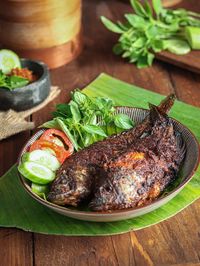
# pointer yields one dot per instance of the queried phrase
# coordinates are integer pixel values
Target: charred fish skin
(77, 176)
(141, 173)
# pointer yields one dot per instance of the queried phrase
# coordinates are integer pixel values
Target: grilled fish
(78, 176)
(140, 174)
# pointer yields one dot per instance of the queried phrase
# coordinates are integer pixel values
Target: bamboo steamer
(47, 30)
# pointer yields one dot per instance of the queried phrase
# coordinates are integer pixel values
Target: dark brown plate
(186, 172)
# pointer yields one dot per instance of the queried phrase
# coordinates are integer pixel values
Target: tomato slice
(52, 136)
(60, 152)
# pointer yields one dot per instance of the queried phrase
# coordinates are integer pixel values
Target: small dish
(189, 166)
(26, 97)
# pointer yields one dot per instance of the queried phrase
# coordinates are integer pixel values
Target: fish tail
(167, 103)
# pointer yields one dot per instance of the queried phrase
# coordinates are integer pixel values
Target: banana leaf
(18, 209)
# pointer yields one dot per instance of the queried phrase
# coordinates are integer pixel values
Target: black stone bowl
(26, 97)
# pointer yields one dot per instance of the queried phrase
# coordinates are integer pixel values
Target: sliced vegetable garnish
(40, 190)
(59, 138)
(8, 61)
(178, 47)
(60, 152)
(36, 173)
(193, 36)
(42, 157)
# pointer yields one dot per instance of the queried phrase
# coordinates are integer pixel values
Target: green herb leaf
(111, 26)
(12, 82)
(94, 130)
(75, 111)
(79, 97)
(62, 110)
(65, 129)
(17, 82)
(157, 45)
(138, 8)
(117, 49)
(51, 124)
(123, 121)
(143, 33)
(135, 20)
(148, 9)
(157, 6)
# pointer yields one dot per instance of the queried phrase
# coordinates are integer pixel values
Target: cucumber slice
(40, 190)
(178, 47)
(8, 61)
(52, 152)
(36, 173)
(192, 34)
(42, 157)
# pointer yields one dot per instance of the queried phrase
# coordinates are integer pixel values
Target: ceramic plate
(185, 174)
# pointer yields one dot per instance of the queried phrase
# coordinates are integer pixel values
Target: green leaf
(148, 9)
(152, 32)
(79, 97)
(94, 130)
(140, 42)
(135, 20)
(126, 54)
(157, 45)
(12, 82)
(123, 121)
(157, 6)
(66, 130)
(138, 8)
(62, 110)
(75, 111)
(51, 124)
(134, 57)
(111, 26)
(17, 82)
(117, 49)
(150, 58)
(88, 139)
(124, 26)
(143, 61)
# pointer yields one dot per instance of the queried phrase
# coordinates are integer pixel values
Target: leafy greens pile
(12, 82)
(151, 30)
(86, 120)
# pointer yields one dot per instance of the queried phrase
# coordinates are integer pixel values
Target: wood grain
(173, 242)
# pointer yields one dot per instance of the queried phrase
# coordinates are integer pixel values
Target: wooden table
(173, 242)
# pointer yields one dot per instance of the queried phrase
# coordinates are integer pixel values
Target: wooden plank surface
(173, 242)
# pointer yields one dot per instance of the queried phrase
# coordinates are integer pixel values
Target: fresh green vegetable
(8, 61)
(86, 120)
(42, 157)
(36, 172)
(176, 46)
(40, 190)
(12, 82)
(143, 34)
(193, 36)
